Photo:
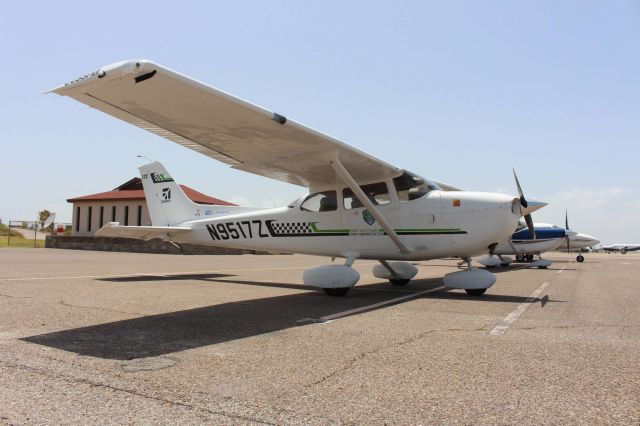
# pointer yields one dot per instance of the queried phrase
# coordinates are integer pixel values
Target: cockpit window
(378, 193)
(326, 201)
(411, 187)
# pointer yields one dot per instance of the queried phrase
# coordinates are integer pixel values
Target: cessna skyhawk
(358, 206)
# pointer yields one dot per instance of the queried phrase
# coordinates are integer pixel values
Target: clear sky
(455, 91)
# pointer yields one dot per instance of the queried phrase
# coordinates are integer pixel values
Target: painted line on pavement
(508, 321)
(562, 270)
(378, 305)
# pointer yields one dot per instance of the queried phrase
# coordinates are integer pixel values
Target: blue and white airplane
(547, 237)
(524, 246)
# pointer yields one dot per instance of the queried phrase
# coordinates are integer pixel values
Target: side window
(326, 201)
(378, 193)
(410, 187)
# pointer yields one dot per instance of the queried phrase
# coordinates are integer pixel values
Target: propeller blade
(532, 230)
(566, 220)
(523, 201)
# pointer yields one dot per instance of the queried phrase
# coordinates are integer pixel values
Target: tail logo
(166, 195)
(160, 177)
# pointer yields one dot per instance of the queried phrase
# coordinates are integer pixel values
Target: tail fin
(167, 203)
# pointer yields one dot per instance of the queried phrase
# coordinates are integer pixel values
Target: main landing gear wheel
(528, 257)
(341, 291)
(475, 291)
(399, 282)
(580, 258)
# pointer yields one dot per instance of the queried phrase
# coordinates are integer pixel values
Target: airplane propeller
(524, 203)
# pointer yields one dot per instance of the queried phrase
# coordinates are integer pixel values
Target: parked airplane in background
(549, 238)
(622, 248)
(524, 246)
(576, 241)
(358, 206)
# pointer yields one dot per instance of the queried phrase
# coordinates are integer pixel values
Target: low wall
(74, 242)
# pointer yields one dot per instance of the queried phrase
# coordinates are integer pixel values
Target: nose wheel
(580, 258)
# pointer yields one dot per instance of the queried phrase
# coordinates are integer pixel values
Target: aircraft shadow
(170, 332)
(150, 277)
(494, 298)
(518, 267)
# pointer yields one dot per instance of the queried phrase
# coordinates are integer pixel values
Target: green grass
(19, 242)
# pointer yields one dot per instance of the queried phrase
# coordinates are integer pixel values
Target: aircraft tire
(341, 291)
(529, 257)
(399, 282)
(580, 258)
(475, 291)
(623, 251)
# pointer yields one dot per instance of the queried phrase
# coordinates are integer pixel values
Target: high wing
(219, 125)
(114, 229)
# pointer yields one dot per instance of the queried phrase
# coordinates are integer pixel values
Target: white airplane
(622, 248)
(576, 241)
(358, 206)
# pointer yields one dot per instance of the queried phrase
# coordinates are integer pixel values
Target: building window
(89, 220)
(113, 213)
(78, 219)
(126, 215)
(101, 216)
(139, 215)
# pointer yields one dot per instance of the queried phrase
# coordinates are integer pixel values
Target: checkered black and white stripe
(292, 228)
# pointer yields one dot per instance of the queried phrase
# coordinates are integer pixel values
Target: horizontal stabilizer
(114, 229)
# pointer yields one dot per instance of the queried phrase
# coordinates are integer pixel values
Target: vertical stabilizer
(167, 203)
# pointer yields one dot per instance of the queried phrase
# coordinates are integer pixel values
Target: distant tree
(43, 216)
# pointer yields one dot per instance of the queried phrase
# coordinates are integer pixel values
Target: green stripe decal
(400, 231)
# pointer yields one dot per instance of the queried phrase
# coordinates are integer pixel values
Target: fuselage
(580, 240)
(435, 225)
(548, 238)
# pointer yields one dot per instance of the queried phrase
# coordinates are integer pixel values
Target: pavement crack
(351, 363)
(74, 380)
(15, 297)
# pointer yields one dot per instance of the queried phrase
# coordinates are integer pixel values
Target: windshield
(411, 186)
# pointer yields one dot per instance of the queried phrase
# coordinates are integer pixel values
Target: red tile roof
(138, 194)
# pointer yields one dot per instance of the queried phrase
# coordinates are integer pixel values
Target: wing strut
(350, 181)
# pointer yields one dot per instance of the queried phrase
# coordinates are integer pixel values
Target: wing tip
(106, 73)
